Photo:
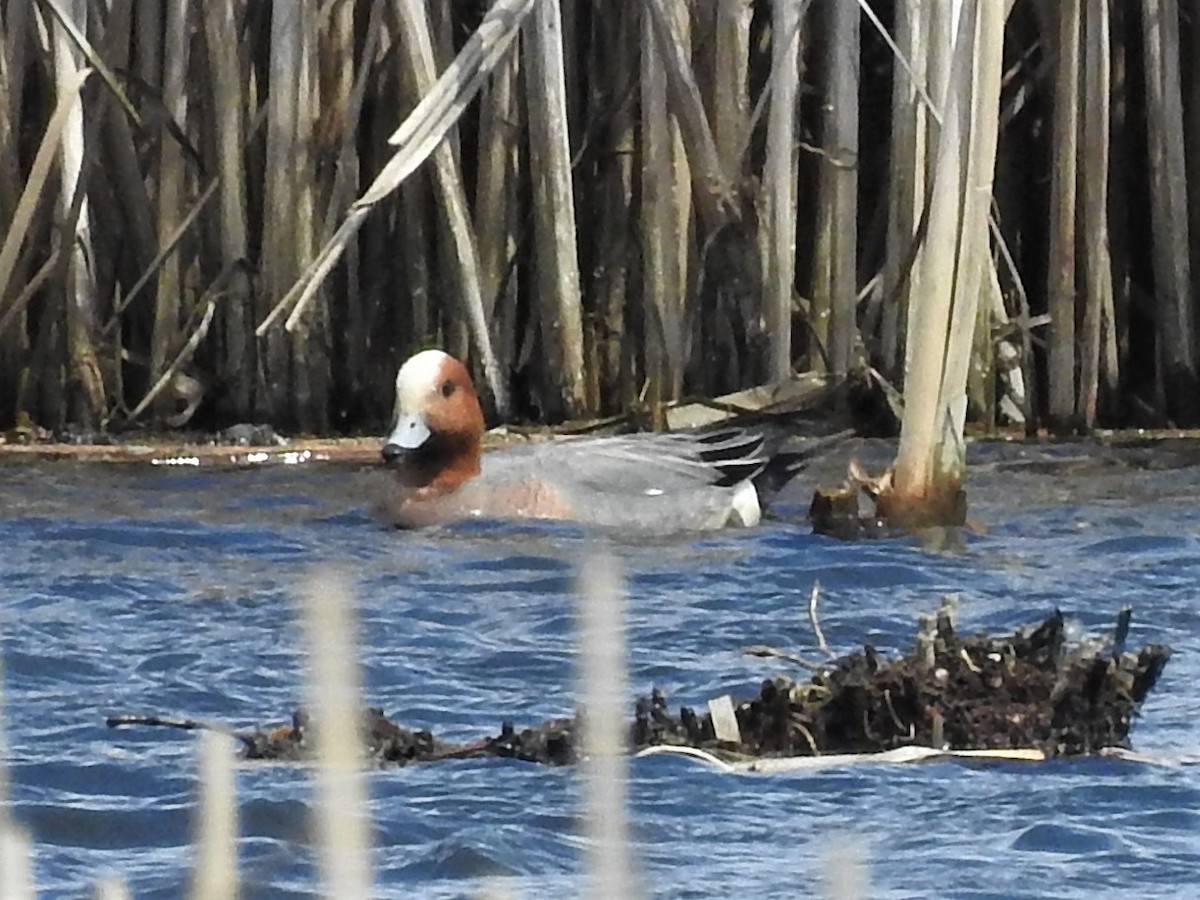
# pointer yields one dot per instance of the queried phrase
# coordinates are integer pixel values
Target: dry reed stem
(710, 182)
(416, 139)
(215, 871)
(68, 94)
(907, 180)
(1060, 289)
(731, 77)
(553, 205)
(556, 252)
(975, 257)
(664, 224)
(79, 282)
(1096, 260)
(454, 218)
(498, 142)
(228, 118)
(779, 183)
(172, 187)
(840, 181)
(181, 359)
(341, 805)
(1174, 311)
(94, 59)
(952, 261)
(603, 759)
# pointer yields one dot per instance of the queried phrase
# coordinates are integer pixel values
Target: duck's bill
(409, 434)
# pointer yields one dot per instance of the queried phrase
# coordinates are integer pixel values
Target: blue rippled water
(143, 590)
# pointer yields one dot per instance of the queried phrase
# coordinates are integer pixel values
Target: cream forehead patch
(417, 377)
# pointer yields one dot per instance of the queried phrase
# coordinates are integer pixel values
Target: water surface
(129, 589)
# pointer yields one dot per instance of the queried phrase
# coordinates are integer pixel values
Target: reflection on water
(144, 590)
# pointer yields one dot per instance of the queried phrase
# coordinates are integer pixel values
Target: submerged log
(1020, 691)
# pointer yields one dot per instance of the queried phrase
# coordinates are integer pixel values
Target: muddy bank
(1028, 689)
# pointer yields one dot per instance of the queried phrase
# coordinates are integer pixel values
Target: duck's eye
(447, 388)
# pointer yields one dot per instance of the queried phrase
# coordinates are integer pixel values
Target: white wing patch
(746, 509)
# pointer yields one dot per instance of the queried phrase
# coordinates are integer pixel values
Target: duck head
(437, 433)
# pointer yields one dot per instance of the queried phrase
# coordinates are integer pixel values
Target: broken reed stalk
(603, 752)
(10, 247)
(554, 209)
(454, 220)
(1064, 216)
(215, 870)
(415, 139)
(1175, 316)
(930, 461)
(341, 807)
(778, 229)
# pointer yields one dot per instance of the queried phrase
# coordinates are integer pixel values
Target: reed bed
(605, 206)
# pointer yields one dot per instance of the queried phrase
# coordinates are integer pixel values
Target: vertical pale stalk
(16, 848)
(1061, 267)
(554, 206)
(81, 287)
(14, 42)
(779, 186)
(952, 262)
(1096, 258)
(731, 76)
(613, 69)
(1174, 312)
(228, 103)
(710, 182)
(971, 277)
(172, 188)
(112, 887)
(149, 41)
(341, 807)
(603, 752)
(840, 175)
(454, 214)
(309, 334)
(663, 227)
(1190, 49)
(906, 185)
(280, 201)
(123, 161)
(16, 862)
(498, 148)
(215, 872)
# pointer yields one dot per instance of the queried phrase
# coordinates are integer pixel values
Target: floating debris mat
(1026, 695)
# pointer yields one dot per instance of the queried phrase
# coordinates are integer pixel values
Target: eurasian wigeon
(682, 481)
